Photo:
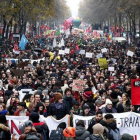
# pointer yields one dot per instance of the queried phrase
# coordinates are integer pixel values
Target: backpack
(56, 134)
(116, 134)
(2, 135)
(31, 136)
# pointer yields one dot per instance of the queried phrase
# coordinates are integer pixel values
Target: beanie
(87, 94)
(34, 117)
(58, 96)
(98, 102)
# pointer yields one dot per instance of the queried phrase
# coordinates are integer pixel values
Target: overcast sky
(74, 5)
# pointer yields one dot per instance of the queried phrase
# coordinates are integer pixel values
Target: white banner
(128, 122)
(53, 123)
(76, 118)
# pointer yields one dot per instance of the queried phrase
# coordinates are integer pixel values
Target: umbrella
(37, 49)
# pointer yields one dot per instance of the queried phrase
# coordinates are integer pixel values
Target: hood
(95, 137)
(126, 137)
(3, 127)
(98, 129)
(111, 123)
(79, 130)
(39, 126)
(29, 129)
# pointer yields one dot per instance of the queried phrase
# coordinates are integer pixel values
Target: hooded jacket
(27, 130)
(42, 128)
(81, 133)
(6, 131)
(98, 131)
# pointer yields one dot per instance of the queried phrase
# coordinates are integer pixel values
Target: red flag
(135, 88)
(16, 46)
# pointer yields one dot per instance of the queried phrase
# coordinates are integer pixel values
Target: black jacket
(42, 128)
(6, 131)
(58, 113)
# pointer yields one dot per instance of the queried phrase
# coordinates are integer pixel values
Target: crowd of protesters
(52, 80)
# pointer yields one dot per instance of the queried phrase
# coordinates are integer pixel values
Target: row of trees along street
(15, 14)
(118, 13)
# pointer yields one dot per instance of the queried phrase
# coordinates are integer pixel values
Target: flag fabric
(41, 42)
(23, 42)
(57, 32)
(16, 46)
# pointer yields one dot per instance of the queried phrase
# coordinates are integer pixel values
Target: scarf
(58, 105)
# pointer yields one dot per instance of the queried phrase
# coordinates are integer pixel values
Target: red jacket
(17, 113)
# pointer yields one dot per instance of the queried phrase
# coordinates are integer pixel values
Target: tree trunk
(4, 27)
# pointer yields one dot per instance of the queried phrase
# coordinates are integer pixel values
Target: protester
(40, 127)
(98, 131)
(4, 129)
(22, 110)
(80, 132)
(98, 117)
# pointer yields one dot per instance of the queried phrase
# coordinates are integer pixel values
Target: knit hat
(126, 137)
(108, 102)
(98, 129)
(86, 107)
(87, 94)
(58, 96)
(69, 132)
(98, 102)
(34, 117)
(114, 95)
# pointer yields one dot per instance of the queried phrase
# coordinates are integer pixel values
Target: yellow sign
(102, 63)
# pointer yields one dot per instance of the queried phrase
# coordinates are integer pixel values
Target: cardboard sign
(102, 63)
(67, 51)
(111, 69)
(62, 52)
(18, 72)
(89, 55)
(22, 64)
(135, 91)
(103, 50)
(99, 56)
(82, 52)
(78, 85)
(129, 53)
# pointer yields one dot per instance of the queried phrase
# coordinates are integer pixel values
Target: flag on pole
(57, 32)
(23, 42)
(54, 43)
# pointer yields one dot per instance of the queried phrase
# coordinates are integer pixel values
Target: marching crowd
(51, 80)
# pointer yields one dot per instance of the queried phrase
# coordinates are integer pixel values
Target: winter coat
(68, 101)
(17, 113)
(40, 127)
(58, 113)
(105, 110)
(6, 131)
(81, 133)
(94, 137)
(27, 130)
